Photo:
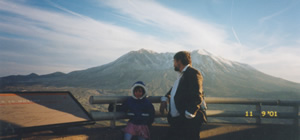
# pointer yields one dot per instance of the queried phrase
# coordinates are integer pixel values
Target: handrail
(209, 100)
(100, 116)
(295, 115)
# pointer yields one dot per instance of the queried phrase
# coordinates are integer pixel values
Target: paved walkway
(158, 132)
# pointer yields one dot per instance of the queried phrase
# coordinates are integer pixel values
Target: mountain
(222, 77)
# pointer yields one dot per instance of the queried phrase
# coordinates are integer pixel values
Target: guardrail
(258, 113)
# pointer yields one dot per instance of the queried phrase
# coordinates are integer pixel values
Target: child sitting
(140, 111)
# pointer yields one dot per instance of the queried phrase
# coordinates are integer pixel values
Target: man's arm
(163, 103)
(167, 96)
(194, 94)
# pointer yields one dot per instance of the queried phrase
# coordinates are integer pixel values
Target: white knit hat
(139, 84)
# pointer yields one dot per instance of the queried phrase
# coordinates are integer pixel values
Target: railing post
(113, 122)
(258, 109)
(296, 122)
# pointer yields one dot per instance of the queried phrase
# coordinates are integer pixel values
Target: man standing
(185, 97)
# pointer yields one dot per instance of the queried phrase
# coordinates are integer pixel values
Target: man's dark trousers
(182, 128)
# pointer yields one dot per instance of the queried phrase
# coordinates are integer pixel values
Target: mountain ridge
(222, 77)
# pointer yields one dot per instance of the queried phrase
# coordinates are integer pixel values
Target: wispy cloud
(275, 14)
(152, 13)
(232, 29)
(44, 41)
(236, 36)
(195, 34)
(66, 37)
(185, 30)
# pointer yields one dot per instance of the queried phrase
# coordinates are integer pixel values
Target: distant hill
(223, 78)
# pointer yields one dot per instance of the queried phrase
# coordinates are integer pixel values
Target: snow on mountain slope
(222, 77)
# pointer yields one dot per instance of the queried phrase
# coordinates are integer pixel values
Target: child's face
(138, 93)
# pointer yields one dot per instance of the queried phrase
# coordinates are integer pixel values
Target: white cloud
(273, 15)
(194, 34)
(282, 62)
(188, 30)
(66, 41)
(66, 38)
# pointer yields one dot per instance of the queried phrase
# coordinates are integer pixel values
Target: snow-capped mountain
(222, 77)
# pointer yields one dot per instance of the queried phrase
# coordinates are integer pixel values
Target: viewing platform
(59, 116)
(210, 131)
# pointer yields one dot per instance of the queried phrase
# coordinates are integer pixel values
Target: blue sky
(45, 36)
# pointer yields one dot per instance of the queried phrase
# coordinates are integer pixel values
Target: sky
(46, 36)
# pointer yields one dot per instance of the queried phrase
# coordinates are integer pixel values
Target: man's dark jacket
(189, 95)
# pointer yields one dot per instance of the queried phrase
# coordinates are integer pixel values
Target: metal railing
(257, 114)
(210, 113)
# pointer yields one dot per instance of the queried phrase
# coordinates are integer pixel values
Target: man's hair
(184, 57)
(139, 87)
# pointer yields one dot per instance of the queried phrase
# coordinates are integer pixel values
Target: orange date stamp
(262, 114)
